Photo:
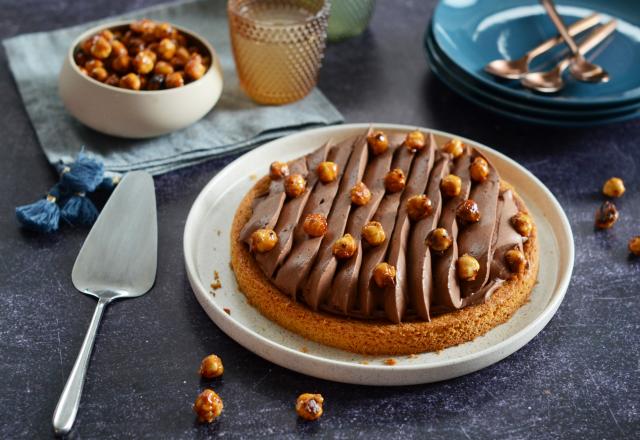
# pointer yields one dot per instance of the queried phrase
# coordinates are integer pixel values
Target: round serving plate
(207, 251)
(472, 33)
(519, 111)
(437, 57)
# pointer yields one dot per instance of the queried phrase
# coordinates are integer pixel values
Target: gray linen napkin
(235, 124)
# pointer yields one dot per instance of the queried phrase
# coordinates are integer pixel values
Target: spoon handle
(67, 407)
(593, 39)
(574, 29)
(559, 24)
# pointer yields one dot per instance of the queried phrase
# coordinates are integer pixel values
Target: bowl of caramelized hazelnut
(140, 79)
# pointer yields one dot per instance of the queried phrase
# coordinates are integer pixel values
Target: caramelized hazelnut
(278, 170)
(479, 170)
(439, 240)
(174, 80)
(101, 48)
(121, 63)
(88, 43)
(143, 26)
(606, 215)
(415, 141)
(309, 406)
(516, 262)
(454, 147)
(181, 57)
(117, 48)
(167, 49)
(135, 46)
(451, 185)
(92, 64)
(294, 185)
(113, 80)
(468, 212)
(345, 247)
(419, 207)
(360, 194)
(263, 240)
(208, 406)
(163, 68)
(130, 81)
(315, 225)
(99, 74)
(327, 172)
(194, 69)
(143, 62)
(395, 180)
(634, 245)
(522, 223)
(467, 267)
(107, 35)
(211, 366)
(384, 275)
(378, 142)
(163, 30)
(80, 58)
(613, 187)
(156, 82)
(373, 233)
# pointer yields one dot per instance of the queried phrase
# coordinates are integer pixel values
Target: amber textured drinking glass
(278, 46)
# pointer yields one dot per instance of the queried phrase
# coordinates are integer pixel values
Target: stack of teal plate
(465, 35)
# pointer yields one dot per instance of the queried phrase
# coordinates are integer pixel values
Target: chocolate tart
(301, 285)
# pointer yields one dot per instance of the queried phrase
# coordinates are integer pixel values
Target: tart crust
(376, 337)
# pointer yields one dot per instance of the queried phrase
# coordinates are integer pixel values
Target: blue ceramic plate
(529, 116)
(473, 32)
(453, 71)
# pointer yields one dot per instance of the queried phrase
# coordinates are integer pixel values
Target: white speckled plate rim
(207, 249)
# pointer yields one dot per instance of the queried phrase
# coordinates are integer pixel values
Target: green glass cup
(349, 18)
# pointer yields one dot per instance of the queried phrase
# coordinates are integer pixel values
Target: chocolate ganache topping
(419, 281)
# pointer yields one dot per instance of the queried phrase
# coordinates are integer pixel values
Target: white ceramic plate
(207, 249)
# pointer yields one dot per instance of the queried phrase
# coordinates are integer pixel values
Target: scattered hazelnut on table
(419, 207)
(278, 170)
(309, 406)
(327, 171)
(294, 185)
(451, 185)
(439, 240)
(454, 147)
(360, 194)
(516, 261)
(211, 366)
(384, 275)
(613, 187)
(315, 225)
(634, 245)
(467, 267)
(468, 211)
(606, 215)
(373, 233)
(208, 406)
(415, 141)
(263, 240)
(522, 223)
(378, 142)
(479, 170)
(395, 180)
(345, 247)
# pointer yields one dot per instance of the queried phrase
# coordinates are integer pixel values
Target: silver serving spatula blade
(117, 260)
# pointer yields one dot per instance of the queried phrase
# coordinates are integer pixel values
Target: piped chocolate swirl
(402, 229)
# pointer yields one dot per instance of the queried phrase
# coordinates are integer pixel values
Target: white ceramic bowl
(137, 114)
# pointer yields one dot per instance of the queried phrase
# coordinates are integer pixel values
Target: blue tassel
(79, 210)
(43, 215)
(109, 182)
(83, 175)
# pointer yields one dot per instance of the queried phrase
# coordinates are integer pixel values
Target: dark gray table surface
(579, 378)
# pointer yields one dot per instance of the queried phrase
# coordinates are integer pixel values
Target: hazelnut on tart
(385, 243)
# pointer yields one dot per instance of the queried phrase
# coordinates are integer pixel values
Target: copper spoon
(516, 69)
(580, 68)
(551, 81)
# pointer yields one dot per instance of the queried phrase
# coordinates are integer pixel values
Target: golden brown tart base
(376, 337)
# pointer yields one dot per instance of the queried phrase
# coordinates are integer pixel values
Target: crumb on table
(227, 310)
(364, 362)
(253, 177)
(390, 361)
(413, 356)
(304, 349)
(216, 281)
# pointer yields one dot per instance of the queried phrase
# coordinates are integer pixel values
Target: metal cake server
(117, 260)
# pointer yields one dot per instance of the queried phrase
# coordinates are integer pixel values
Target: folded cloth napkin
(235, 124)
